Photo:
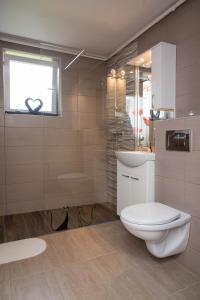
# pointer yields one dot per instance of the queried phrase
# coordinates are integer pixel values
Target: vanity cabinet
(163, 76)
(134, 185)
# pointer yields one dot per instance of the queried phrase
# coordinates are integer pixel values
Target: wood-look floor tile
(190, 293)
(46, 261)
(79, 245)
(171, 275)
(41, 287)
(76, 281)
(101, 262)
(110, 266)
(123, 287)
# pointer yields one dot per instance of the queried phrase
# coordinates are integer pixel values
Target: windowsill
(29, 113)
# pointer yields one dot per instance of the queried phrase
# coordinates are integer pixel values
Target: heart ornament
(33, 106)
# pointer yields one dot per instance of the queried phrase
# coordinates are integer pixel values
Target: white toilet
(164, 229)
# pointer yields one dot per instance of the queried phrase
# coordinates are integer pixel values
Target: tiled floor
(21, 226)
(97, 262)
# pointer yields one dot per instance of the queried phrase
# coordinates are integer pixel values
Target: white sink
(134, 158)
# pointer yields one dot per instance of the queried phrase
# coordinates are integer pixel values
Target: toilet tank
(135, 178)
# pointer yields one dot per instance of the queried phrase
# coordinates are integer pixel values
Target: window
(31, 76)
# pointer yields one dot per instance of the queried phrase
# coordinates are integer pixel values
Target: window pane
(29, 80)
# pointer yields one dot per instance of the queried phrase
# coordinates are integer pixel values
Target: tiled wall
(178, 181)
(35, 151)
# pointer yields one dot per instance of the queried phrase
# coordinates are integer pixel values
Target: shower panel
(53, 166)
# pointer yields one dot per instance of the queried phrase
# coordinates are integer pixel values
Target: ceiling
(99, 26)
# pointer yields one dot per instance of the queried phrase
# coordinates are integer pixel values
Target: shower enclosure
(52, 163)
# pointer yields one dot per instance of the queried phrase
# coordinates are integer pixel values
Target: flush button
(178, 140)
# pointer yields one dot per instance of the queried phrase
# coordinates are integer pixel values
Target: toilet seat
(153, 213)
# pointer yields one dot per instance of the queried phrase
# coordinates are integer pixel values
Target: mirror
(139, 106)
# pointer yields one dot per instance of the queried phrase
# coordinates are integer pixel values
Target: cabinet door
(123, 191)
(163, 76)
(137, 189)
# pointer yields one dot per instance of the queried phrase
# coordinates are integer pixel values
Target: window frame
(56, 80)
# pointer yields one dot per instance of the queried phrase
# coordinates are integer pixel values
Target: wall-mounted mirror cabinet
(160, 63)
(151, 89)
(144, 90)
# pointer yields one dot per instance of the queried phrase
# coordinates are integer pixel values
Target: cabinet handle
(153, 97)
(135, 178)
(125, 176)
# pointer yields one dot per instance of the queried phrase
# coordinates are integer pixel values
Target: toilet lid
(154, 213)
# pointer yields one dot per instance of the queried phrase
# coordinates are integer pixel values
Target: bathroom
(64, 232)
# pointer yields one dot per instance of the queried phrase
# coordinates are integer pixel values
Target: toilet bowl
(164, 229)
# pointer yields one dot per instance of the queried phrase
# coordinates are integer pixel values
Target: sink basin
(134, 158)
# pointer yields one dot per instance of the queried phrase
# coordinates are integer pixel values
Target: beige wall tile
(187, 51)
(69, 82)
(1, 97)
(170, 192)
(24, 192)
(2, 155)
(87, 87)
(2, 117)
(194, 125)
(185, 106)
(24, 173)
(186, 82)
(62, 154)
(23, 155)
(89, 121)
(69, 185)
(23, 136)
(100, 188)
(54, 169)
(60, 137)
(92, 137)
(2, 200)
(170, 164)
(2, 137)
(194, 234)
(56, 186)
(192, 192)
(121, 88)
(93, 153)
(192, 167)
(66, 120)
(110, 87)
(87, 104)
(5, 289)
(191, 259)
(83, 199)
(12, 120)
(2, 174)
(100, 104)
(18, 207)
(53, 201)
(69, 103)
